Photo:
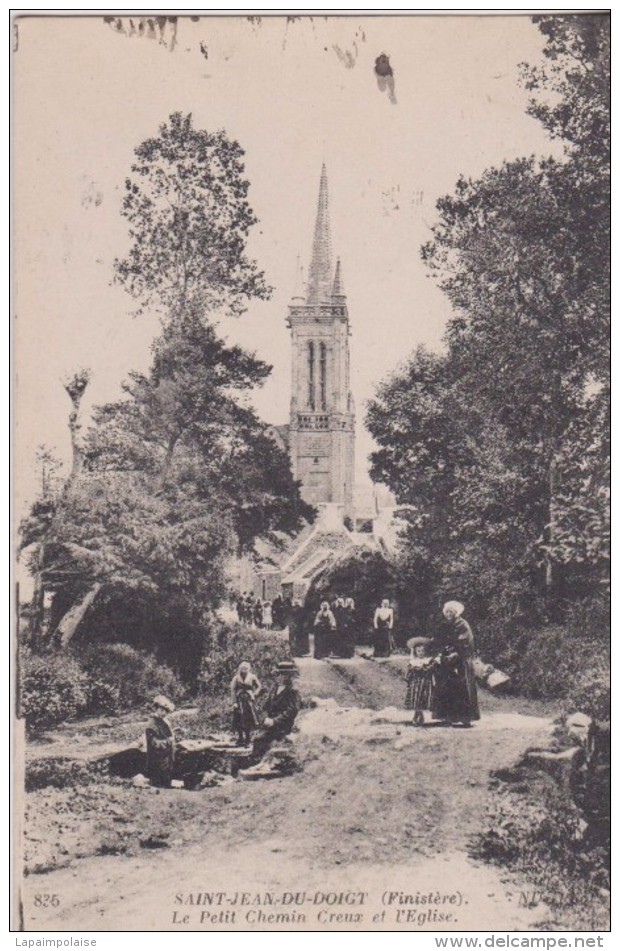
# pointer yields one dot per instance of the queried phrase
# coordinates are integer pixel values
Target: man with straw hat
(282, 706)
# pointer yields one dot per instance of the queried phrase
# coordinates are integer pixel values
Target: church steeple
(320, 274)
(322, 426)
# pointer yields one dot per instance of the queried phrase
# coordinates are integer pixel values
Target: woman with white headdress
(456, 696)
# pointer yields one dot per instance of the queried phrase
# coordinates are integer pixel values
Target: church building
(322, 421)
(320, 435)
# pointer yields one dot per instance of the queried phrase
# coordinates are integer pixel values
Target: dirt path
(380, 808)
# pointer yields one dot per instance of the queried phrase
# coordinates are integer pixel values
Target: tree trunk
(70, 622)
(554, 486)
(35, 624)
(75, 389)
(78, 458)
(165, 468)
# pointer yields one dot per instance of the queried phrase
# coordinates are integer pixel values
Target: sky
(294, 93)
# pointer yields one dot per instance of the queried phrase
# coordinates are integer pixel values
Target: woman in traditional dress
(420, 679)
(160, 744)
(244, 689)
(297, 633)
(456, 696)
(267, 615)
(338, 611)
(277, 612)
(347, 636)
(383, 624)
(324, 627)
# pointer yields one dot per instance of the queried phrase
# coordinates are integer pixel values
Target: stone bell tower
(322, 423)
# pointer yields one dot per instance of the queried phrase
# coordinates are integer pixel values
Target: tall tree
(500, 444)
(189, 219)
(178, 475)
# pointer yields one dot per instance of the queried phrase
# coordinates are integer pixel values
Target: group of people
(264, 614)
(335, 628)
(282, 705)
(334, 625)
(440, 673)
(440, 681)
(254, 729)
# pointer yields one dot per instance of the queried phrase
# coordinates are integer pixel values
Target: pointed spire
(319, 276)
(338, 287)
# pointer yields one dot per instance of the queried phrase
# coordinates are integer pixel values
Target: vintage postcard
(312, 384)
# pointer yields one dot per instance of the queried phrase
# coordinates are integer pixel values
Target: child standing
(244, 689)
(420, 679)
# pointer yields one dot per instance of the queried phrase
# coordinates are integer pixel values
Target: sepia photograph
(311, 344)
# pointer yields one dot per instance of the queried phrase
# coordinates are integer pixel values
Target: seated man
(282, 706)
(160, 743)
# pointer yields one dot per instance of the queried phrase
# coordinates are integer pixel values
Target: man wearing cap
(160, 744)
(282, 706)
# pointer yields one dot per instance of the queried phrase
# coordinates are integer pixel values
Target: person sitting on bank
(324, 627)
(282, 706)
(244, 689)
(160, 743)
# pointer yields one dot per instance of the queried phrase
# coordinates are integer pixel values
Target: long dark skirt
(323, 638)
(244, 714)
(383, 642)
(455, 695)
(344, 640)
(298, 638)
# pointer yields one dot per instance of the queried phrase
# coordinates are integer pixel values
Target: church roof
(320, 274)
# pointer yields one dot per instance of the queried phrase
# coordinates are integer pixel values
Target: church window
(323, 376)
(311, 375)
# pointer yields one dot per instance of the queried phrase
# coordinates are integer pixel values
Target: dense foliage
(93, 680)
(189, 218)
(535, 828)
(179, 475)
(499, 443)
(51, 690)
